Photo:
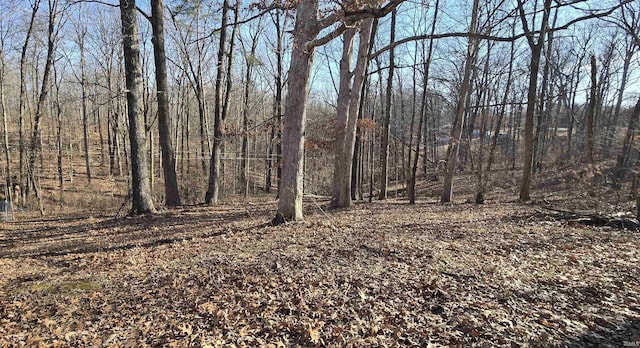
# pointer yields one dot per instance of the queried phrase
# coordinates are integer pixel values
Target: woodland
(343, 173)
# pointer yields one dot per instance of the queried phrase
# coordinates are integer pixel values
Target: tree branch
(480, 36)
(247, 20)
(325, 39)
(356, 15)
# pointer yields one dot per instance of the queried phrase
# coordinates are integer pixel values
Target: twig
(324, 212)
(126, 201)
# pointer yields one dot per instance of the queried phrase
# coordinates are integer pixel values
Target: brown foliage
(383, 274)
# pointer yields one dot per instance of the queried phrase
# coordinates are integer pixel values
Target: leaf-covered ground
(380, 274)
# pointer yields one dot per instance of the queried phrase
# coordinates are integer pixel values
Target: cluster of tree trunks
(350, 20)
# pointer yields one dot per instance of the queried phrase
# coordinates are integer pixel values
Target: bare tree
(411, 189)
(503, 108)
(218, 125)
(349, 104)
(629, 21)
(386, 121)
(250, 59)
(193, 66)
(591, 111)
(275, 144)
(290, 190)
(456, 132)
(35, 143)
(140, 186)
(536, 51)
(5, 25)
(23, 97)
(81, 28)
(307, 28)
(172, 195)
(536, 39)
(629, 50)
(57, 110)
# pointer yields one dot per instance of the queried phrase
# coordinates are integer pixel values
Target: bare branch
(247, 20)
(480, 36)
(325, 39)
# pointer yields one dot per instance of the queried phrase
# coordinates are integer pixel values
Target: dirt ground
(380, 274)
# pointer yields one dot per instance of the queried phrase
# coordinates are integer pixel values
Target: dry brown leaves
(381, 274)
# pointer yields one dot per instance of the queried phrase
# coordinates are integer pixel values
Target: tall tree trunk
(412, 123)
(218, 126)
(570, 101)
(609, 139)
(589, 143)
(501, 113)
(342, 118)
(172, 194)
(623, 158)
(142, 201)
(276, 132)
(411, 189)
(384, 145)
(10, 182)
(545, 90)
(456, 132)
(291, 185)
(82, 32)
(58, 113)
(98, 116)
(110, 123)
(349, 103)
(372, 162)
(36, 141)
(481, 176)
(536, 51)
(228, 88)
(357, 171)
(482, 103)
(244, 169)
(269, 161)
(23, 102)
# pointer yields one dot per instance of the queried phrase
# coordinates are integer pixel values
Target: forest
(341, 173)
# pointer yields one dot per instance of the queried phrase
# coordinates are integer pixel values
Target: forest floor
(381, 274)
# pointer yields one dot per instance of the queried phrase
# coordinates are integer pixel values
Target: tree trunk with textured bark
(291, 189)
(413, 163)
(5, 131)
(142, 201)
(171, 192)
(244, 165)
(349, 103)
(536, 52)
(82, 32)
(456, 132)
(22, 151)
(591, 112)
(35, 145)
(384, 145)
(213, 188)
(342, 117)
(609, 139)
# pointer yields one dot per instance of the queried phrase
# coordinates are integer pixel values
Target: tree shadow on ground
(88, 235)
(623, 334)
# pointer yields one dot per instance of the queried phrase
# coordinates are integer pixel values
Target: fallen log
(620, 220)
